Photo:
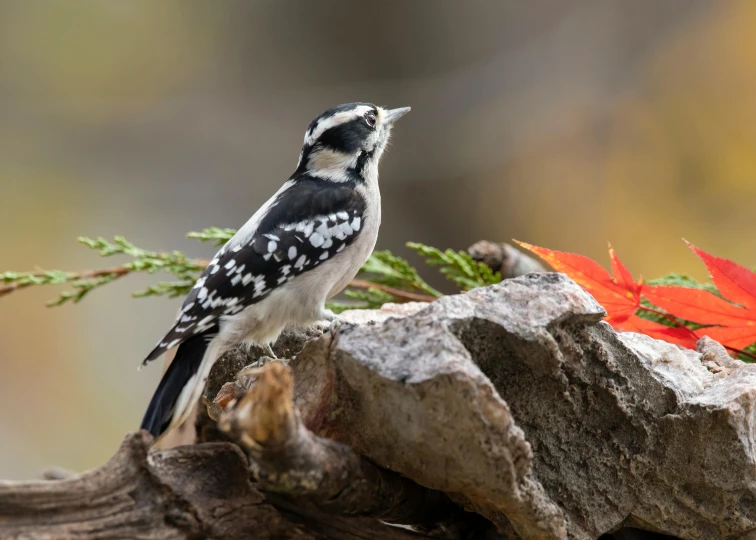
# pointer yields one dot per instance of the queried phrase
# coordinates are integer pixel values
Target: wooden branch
(504, 258)
(287, 458)
(198, 491)
(401, 295)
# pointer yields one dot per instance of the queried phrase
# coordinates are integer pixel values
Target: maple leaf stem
(740, 351)
(678, 324)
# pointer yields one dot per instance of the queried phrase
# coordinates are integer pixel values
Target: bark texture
(505, 259)
(508, 412)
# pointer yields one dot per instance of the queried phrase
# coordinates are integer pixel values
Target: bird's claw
(328, 321)
(269, 352)
(328, 315)
(336, 323)
(255, 367)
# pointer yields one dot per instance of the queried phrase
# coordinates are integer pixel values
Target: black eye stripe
(346, 137)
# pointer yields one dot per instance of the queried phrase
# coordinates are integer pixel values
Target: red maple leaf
(730, 320)
(736, 283)
(696, 305)
(619, 294)
(736, 325)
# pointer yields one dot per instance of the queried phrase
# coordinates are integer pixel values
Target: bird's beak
(392, 115)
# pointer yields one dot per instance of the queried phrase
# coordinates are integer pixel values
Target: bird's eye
(370, 118)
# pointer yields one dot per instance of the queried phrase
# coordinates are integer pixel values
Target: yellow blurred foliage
(53, 49)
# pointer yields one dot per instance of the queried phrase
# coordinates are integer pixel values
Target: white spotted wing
(304, 228)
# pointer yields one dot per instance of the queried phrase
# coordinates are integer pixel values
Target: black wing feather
(308, 224)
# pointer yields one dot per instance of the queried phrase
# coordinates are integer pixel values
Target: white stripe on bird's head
(336, 119)
(346, 143)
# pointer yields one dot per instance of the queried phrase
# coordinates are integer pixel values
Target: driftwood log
(508, 412)
(505, 259)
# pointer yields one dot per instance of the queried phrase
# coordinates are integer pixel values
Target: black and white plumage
(300, 248)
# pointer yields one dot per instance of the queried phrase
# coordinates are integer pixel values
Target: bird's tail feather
(181, 385)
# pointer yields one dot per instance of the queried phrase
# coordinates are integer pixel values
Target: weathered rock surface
(521, 403)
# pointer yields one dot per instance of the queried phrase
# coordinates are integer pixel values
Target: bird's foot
(335, 325)
(269, 352)
(329, 321)
(255, 367)
(328, 315)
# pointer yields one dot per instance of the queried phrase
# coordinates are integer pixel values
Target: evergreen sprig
(215, 235)
(384, 278)
(82, 283)
(184, 269)
(173, 262)
(385, 268)
(682, 280)
(393, 280)
(458, 266)
(81, 287)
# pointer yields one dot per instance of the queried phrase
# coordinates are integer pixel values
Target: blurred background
(564, 123)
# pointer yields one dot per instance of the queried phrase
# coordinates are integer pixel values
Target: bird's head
(346, 143)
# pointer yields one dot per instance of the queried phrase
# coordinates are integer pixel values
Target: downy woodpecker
(303, 246)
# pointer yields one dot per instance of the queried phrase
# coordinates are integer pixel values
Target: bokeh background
(565, 123)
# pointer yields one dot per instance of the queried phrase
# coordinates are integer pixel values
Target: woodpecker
(302, 247)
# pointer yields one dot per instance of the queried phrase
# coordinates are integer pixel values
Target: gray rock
(522, 405)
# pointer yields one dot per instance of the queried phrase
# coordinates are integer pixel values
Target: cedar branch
(120, 271)
(116, 271)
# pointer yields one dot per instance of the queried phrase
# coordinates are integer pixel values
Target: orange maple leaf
(732, 325)
(696, 305)
(620, 295)
(738, 285)
(730, 320)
